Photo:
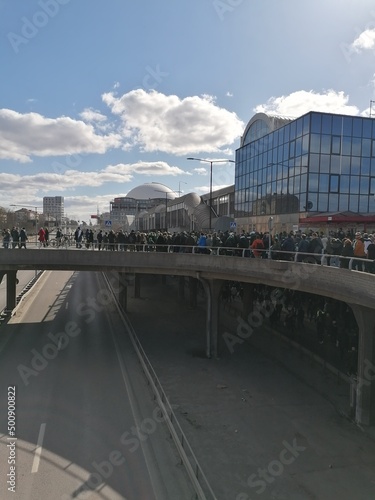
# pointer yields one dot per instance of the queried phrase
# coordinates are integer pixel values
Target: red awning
(338, 218)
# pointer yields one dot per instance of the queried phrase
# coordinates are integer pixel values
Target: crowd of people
(338, 247)
(324, 325)
(14, 238)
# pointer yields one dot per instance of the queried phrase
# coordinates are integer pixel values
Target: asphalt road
(86, 425)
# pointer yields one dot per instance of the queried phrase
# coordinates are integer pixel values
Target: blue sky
(99, 97)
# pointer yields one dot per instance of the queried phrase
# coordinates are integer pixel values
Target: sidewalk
(265, 421)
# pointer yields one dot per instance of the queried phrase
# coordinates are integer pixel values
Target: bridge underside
(355, 288)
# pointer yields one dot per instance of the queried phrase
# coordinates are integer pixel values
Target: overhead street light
(179, 187)
(166, 205)
(211, 163)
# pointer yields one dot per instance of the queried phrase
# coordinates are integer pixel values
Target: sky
(100, 97)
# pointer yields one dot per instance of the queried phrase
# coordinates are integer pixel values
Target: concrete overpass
(355, 288)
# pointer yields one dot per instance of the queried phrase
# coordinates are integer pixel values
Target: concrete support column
(213, 292)
(181, 287)
(122, 290)
(11, 290)
(193, 290)
(137, 286)
(365, 404)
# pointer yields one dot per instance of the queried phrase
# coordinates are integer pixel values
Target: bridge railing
(339, 261)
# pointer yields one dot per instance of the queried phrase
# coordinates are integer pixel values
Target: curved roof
(262, 124)
(151, 190)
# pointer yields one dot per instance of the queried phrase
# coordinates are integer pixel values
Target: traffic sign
(233, 225)
(108, 223)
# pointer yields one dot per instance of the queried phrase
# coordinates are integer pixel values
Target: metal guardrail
(294, 256)
(202, 488)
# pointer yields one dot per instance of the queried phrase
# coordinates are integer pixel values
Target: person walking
(23, 238)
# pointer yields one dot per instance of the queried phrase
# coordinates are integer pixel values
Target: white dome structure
(151, 191)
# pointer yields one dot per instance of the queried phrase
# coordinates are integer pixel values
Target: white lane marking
(59, 343)
(38, 450)
(66, 305)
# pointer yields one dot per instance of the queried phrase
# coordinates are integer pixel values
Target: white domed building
(154, 206)
(124, 210)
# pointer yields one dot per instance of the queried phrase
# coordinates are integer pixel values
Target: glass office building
(320, 163)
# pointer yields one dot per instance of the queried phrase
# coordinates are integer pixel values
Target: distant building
(124, 210)
(53, 209)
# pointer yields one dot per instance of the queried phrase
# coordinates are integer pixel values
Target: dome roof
(151, 190)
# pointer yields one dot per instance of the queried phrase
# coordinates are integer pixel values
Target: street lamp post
(166, 205)
(211, 162)
(179, 187)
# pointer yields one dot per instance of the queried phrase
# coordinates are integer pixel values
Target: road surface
(86, 426)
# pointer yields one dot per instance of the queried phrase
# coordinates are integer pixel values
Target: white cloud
(200, 171)
(301, 102)
(158, 122)
(69, 180)
(92, 115)
(365, 41)
(146, 168)
(206, 189)
(31, 134)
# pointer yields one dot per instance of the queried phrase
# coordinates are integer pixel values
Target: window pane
(315, 123)
(344, 183)
(306, 124)
(333, 203)
(326, 144)
(345, 164)
(357, 127)
(313, 182)
(355, 165)
(336, 125)
(363, 204)
(305, 144)
(346, 146)
(299, 127)
(364, 185)
(313, 199)
(356, 146)
(334, 184)
(323, 202)
(315, 143)
(326, 124)
(323, 183)
(365, 166)
(324, 164)
(366, 128)
(366, 147)
(343, 202)
(314, 163)
(335, 164)
(354, 184)
(353, 203)
(347, 126)
(336, 145)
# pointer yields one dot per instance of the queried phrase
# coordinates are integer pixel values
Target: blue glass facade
(318, 163)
